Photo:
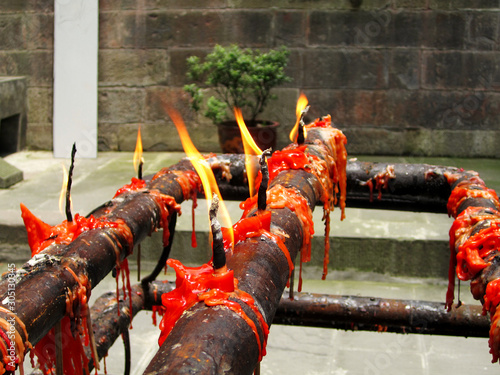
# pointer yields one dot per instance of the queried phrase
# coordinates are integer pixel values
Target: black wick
(300, 135)
(219, 254)
(262, 194)
(69, 216)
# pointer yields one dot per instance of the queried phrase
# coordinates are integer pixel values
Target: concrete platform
(357, 268)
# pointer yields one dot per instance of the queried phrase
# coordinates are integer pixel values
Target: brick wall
(402, 77)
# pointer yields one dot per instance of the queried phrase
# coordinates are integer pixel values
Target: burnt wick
(301, 133)
(262, 194)
(69, 216)
(219, 255)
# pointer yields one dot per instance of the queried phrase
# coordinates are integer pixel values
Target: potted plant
(237, 77)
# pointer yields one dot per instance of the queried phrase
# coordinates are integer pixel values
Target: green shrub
(239, 77)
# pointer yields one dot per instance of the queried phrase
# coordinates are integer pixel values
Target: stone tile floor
(291, 350)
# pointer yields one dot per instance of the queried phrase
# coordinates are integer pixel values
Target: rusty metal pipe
(311, 310)
(211, 340)
(381, 314)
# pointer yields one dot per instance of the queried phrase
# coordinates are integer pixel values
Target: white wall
(75, 77)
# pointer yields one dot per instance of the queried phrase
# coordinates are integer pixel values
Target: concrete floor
(291, 350)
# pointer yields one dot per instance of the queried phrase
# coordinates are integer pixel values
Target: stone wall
(400, 77)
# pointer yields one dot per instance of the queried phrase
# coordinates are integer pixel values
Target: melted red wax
(195, 284)
(381, 181)
(331, 172)
(472, 250)
(215, 297)
(463, 191)
(190, 282)
(253, 226)
(462, 227)
(41, 235)
(18, 343)
(494, 342)
(135, 184)
(190, 184)
(280, 197)
(74, 358)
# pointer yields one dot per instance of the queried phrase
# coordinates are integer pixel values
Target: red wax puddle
(190, 282)
(135, 184)
(195, 284)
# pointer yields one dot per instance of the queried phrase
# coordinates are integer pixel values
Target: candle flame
(138, 151)
(202, 168)
(62, 195)
(251, 150)
(301, 105)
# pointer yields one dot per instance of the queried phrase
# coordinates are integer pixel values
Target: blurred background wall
(399, 77)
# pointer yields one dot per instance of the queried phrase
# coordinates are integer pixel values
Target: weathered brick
(352, 5)
(443, 70)
(107, 139)
(181, 28)
(439, 110)
(148, 29)
(362, 69)
(41, 68)
(111, 30)
(157, 95)
(338, 103)
(370, 108)
(444, 30)
(43, 6)
(250, 28)
(12, 33)
(404, 108)
(121, 105)
(39, 136)
(410, 4)
(178, 66)
(183, 4)
(482, 30)
(473, 110)
(404, 69)
(463, 4)
(114, 5)
(370, 141)
(14, 63)
(40, 31)
(295, 68)
(407, 28)
(361, 28)
(14, 5)
(461, 69)
(290, 28)
(40, 101)
(132, 67)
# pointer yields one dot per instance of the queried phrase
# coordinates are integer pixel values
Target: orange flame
(301, 105)
(202, 168)
(62, 195)
(251, 149)
(138, 151)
